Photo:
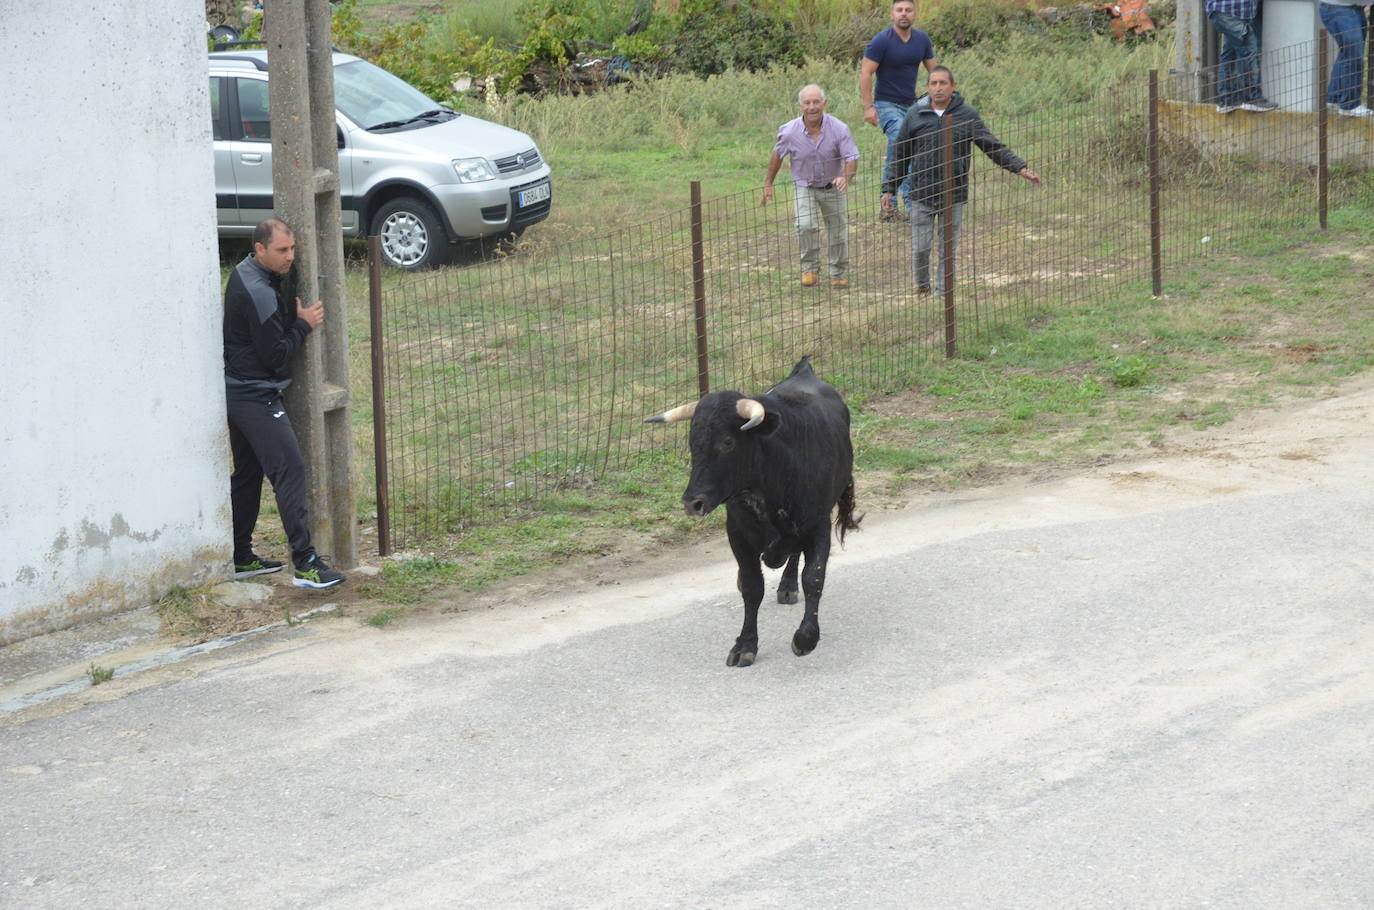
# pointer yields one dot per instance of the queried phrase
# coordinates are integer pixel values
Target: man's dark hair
(265, 230)
(941, 69)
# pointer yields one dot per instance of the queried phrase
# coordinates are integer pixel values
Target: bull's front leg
(750, 584)
(817, 553)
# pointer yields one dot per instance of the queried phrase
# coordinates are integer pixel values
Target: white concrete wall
(113, 453)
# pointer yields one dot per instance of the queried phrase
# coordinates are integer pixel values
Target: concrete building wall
(113, 452)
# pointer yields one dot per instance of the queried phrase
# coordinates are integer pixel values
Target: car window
(216, 111)
(369, 95)
(253, 110)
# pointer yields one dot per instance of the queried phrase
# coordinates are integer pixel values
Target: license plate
(534, 194)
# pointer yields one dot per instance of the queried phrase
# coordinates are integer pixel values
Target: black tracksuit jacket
(261, 332)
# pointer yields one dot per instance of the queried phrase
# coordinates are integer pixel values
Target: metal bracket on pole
(305, 181)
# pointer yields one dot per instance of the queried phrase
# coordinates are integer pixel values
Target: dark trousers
(264, 444)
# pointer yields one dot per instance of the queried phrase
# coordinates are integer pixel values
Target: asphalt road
(1151, 685)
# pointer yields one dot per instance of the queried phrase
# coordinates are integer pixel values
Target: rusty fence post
(1368, 73)
(1323, 124)
(699, 289)
(946, 267)
(374, 289)
(1156, 237)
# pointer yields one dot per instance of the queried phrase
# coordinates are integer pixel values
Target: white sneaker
(1357, 111)
(1260, 107)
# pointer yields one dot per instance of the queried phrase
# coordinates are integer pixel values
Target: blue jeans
(1239, 69)
(890, 117)
(1348, 26)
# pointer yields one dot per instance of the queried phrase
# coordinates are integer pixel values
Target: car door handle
(251, 157)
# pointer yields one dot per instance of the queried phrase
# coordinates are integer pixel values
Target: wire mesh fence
(506, 380)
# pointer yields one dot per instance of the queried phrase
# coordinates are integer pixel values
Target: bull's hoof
(787, 596)
(738, 658)
(803, 642)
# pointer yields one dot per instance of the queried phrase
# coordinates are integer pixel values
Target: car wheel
(412, 236)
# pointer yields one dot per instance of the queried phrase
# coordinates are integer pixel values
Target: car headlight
(473, 170)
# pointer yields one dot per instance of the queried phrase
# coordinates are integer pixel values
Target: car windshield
(370, 96)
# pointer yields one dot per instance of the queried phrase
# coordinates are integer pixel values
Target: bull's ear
(772, 420)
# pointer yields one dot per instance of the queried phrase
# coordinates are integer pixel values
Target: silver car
(418, 175)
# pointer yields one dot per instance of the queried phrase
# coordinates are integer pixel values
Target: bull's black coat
(779, 481)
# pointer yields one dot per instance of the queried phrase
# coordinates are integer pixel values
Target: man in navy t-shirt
(894, 57)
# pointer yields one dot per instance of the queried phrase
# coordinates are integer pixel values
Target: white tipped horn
(751, 410)
(681, 412)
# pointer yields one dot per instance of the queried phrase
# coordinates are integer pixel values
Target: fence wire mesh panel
(1235, 178)
(531, 374)
(516, 377)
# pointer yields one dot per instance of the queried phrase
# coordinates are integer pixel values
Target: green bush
(405, 50)
(713, 36)
(965, 23)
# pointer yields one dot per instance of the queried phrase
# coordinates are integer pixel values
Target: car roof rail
(222, 45)
(260, 64)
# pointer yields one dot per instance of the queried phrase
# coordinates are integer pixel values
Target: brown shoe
(923, 290)
(808, 279)
(839, 283)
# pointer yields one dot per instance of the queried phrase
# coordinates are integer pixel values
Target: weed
(1130, 371)
(180, 611)
(384, 618)
(99, 674)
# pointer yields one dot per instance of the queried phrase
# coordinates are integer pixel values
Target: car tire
(412, 236)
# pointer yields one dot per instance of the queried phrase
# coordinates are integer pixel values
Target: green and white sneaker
(311, 572)
(256, 565)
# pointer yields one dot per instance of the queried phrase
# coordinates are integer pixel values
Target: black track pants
(264, 444)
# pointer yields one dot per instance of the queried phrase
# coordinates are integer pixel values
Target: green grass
(384, 618)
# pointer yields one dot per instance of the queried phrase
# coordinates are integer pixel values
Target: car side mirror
(338, 131)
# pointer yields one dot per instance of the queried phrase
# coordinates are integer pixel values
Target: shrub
(718, 35)
(964, 23)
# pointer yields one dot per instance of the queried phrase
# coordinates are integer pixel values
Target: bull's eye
(725, 445)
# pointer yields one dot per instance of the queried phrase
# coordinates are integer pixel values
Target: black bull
(779, 473)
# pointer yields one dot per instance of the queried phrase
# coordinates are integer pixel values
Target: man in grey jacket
(920, 152)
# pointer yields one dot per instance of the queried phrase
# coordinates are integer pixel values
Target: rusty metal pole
(946, 266)
(374, 294)
(306, 196)
(699, 289)
(1156, 238)
(1368, 71)
(1323, 124)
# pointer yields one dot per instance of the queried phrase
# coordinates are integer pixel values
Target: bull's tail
(844, 518)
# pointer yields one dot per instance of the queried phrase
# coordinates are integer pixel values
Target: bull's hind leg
(787, 588)
(808, 634)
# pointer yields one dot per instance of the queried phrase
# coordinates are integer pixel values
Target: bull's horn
(751, 410)
(681, 412)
